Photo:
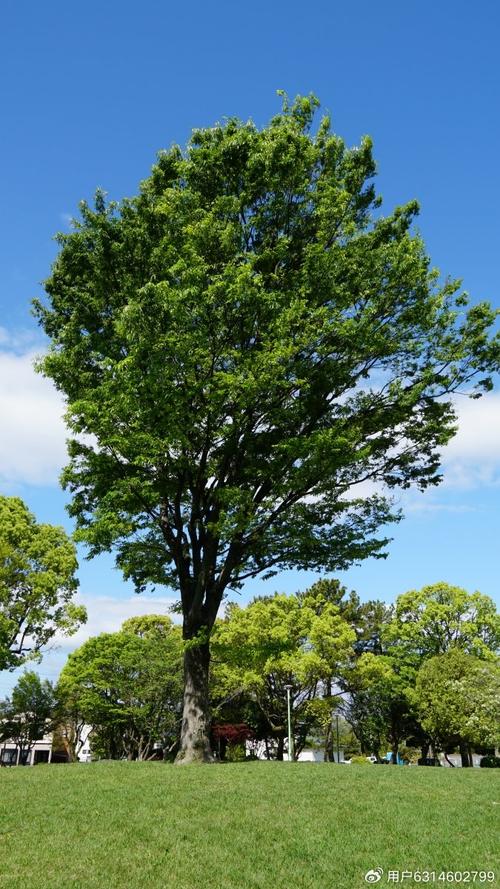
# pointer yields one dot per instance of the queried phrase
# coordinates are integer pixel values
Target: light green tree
(441, 617)
(457, 697)
(437, 619)
(37, 584)
(278, 641)
(241, 345)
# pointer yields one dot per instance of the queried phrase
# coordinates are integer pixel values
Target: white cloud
(472, 458)
(106, 615)
(421, 503)
(33, 434)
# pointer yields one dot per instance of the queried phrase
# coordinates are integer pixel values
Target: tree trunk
(280, 749)
(464, 753)
(328, 748)
(195, 739)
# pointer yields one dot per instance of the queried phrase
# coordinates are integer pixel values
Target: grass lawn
(123, 825)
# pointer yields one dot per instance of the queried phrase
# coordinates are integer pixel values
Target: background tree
(437, 619)
(441, 617)
(244, 342)
(128, 686)
(278, 641)
(37, 584)
(27, 715)
(458, 699)
(69, 723)
(377, 706)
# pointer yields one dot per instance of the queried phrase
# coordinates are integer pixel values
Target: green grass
(268, 825)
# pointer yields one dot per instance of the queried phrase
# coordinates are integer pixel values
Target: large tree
(239, 346)
(37, 584)
(439, 618)
(127, 686)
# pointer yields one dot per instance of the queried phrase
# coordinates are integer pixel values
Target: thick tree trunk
(195, 729)
(464, 753)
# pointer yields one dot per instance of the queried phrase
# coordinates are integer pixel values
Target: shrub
(490, 762)
(360, 761)
(236, 753)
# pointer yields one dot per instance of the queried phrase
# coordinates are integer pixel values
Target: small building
(260, 749)
(43, 751)
(40, 751)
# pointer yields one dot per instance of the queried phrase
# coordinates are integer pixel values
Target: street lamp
(290, 740)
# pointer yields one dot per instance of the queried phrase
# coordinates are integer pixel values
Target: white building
(40, 751)
(258, 749)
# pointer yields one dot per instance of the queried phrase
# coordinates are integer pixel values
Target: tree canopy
(299, 641)
(240, 345)
(26, 716)
(37, 584)
(128, 686)
(440, 617)
(458, 697)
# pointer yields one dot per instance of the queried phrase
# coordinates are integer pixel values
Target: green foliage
(236, 753)
(458, 696)
(27, 715)
(360, 761)
(381, 683)
(37, 584)
(378, 707)
(410, 754)
(128, 686)
(246, 340)
(490, 762)
(441, 617)
(278, 641)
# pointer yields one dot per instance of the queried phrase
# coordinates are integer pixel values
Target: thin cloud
(32, 442)
(106, 615)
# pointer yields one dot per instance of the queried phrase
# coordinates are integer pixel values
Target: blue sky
(90, 93)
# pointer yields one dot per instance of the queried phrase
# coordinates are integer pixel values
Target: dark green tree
(241, 345)
(27, 715)
(37, 584)
(127, 686)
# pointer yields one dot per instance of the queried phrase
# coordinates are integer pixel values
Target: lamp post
(290, 740)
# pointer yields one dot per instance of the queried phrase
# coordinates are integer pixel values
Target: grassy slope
(268, 825)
